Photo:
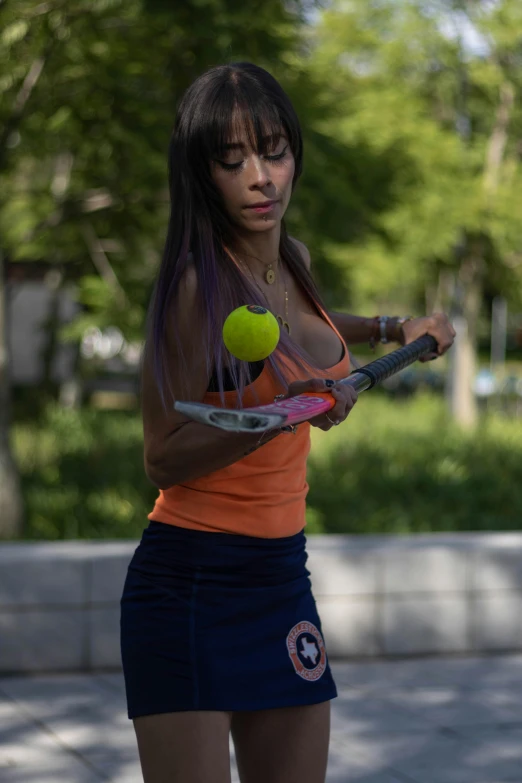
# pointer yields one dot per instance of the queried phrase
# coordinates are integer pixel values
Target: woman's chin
(259, 226)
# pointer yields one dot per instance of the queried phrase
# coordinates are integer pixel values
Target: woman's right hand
(345, 398)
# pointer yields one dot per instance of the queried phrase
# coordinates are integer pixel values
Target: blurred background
(410, 202)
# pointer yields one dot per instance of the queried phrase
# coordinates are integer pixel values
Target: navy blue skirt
(212, 621)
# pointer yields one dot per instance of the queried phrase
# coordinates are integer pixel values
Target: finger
(354, 394)
(344, 403)
(350, 402)
(346, 393)
(445, 344)
(322, 423)
(337, 412)
(440, 343)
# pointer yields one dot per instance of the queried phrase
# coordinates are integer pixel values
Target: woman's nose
(259, 171)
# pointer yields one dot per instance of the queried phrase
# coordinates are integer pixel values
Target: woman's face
(256, 188)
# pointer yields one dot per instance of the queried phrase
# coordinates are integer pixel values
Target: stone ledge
(377, 595)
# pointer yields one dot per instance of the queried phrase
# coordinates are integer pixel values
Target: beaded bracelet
(379, 329)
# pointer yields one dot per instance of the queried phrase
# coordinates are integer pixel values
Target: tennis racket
(293, 410)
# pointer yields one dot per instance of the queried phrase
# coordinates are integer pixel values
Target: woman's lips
(265, 208)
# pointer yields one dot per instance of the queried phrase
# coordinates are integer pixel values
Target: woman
(220, 632)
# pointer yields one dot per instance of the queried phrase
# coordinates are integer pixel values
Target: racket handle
(394, 362)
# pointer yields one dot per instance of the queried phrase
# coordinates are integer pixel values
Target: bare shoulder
(186, 376)
(304, 252)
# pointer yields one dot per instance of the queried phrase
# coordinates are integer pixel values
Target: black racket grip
(396, 361)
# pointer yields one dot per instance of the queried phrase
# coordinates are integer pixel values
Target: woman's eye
(279, 156)
(236, 166)
(230, 166)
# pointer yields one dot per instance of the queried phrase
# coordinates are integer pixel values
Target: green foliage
(403, 467)
(82, 475)
(393, 181)
(389, 186)
(83, 159)
(398, 78)
(393, 467)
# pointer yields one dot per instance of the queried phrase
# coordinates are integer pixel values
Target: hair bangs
(240, 109)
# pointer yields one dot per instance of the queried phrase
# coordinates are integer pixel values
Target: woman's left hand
(437, 325)
(345, 398)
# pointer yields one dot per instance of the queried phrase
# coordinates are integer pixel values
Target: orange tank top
(261, 495)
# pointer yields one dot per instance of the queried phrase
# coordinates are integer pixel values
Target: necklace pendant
(284, 324)
(270, 275)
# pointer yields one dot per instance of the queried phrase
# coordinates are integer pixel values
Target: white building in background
(29, 307)
(108, 363)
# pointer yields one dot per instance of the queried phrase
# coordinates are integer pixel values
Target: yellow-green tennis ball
(251, 333)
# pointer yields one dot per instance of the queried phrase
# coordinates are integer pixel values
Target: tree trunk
(461, 399)
(438, 296)
(463, 364)
(11, 504)
(470, 280)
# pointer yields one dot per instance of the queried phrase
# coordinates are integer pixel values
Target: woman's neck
(258, 251)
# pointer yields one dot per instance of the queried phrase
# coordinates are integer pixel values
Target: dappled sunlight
(72, 724)
(425, 720)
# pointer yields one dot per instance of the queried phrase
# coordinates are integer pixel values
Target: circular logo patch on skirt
(306, 650)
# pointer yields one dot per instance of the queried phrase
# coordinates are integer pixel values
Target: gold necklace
(270, 275)
(282, 321)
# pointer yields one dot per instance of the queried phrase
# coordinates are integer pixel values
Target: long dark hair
(200, 229)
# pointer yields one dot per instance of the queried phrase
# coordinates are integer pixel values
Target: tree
(435, 87)
(89, 89)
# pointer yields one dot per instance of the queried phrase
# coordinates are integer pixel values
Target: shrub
(82, 474)
(403, 467)
(395, 466)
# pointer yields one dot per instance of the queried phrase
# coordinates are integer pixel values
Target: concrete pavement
(417, 720)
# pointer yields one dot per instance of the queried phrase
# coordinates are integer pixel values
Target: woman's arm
(177, 450)
(356, 329)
